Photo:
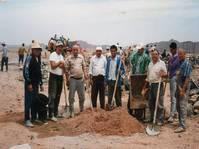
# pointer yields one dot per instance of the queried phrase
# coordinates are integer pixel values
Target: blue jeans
(181, 104)
(152, 101)
(30, 102)
(54, 92)
(173, 87)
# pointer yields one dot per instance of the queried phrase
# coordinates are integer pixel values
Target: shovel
(66, 112)
(152, 131)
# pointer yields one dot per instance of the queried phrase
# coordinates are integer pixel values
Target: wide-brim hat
(36, 45)
(59, 43)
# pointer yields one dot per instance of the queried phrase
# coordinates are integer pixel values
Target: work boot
(28, 123)
(54, 119)
(170, 120)
(81, 106)
(72, 114)
(160, 123)
(180, 129)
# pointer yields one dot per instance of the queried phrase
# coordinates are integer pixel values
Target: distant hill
(189, 46)
(88, 46)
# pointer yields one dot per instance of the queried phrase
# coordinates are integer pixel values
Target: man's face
(75, 51)
(141, 50)
(113, 52)
(36, 52)
(98, 53)
(181, 55)
(173, 51)
(59, 49)
(155, 56)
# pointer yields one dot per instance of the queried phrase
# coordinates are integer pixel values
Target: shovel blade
(66, 112)
(151, 131)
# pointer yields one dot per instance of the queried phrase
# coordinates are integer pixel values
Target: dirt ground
(12, 131)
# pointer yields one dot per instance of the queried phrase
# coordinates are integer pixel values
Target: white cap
(59, 43)
(99, 49)
(140, 46)
(35, 45)
(152, 49)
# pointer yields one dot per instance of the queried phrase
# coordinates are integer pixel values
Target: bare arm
(54, 65)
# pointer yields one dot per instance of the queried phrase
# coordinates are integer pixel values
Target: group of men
(179, 73)
(108, 71)
(72, 71)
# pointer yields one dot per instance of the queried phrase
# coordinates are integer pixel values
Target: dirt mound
(116, 122)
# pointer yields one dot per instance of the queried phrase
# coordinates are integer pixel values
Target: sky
(99, 21)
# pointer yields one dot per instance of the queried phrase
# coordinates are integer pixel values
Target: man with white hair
(97, 71)
(183, 75)
(75, 74)
(55, 80)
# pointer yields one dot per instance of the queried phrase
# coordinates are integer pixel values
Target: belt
(76, 78)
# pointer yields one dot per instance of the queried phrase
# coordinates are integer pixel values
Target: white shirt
(56, 58)
(97, 65)
(112, 69)
(154, 70)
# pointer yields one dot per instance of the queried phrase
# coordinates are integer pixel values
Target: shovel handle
(157, 100)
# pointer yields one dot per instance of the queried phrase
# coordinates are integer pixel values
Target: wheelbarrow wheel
(138, 114)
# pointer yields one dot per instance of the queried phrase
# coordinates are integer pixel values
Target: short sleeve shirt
(75, 65)
(56, 58)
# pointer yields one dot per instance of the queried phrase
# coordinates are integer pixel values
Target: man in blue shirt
(112, 70)
(183, 84)
(4, 60)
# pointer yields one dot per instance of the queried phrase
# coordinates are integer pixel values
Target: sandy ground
(12, 131)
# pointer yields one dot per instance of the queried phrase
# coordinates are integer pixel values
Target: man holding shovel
(156, 70)
(114, 73)
(75, 74)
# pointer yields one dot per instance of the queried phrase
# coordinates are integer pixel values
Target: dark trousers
(54, 92)
(4, 61)
(152, 100)
(111, 86)
(98, 86)
(30, 103)
(21, 58)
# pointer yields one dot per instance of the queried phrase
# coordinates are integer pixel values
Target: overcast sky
(99, 21)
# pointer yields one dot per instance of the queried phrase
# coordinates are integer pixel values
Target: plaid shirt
(184, 72)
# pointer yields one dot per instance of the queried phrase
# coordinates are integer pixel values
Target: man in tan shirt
(75, 74)
(21, 52)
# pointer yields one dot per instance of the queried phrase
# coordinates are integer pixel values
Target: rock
(23, 146)
(193, 99)
(193, 92)
(189, 110)
(196, 105)
(196, 111)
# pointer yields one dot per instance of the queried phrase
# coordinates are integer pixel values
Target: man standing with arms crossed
(55, 80)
